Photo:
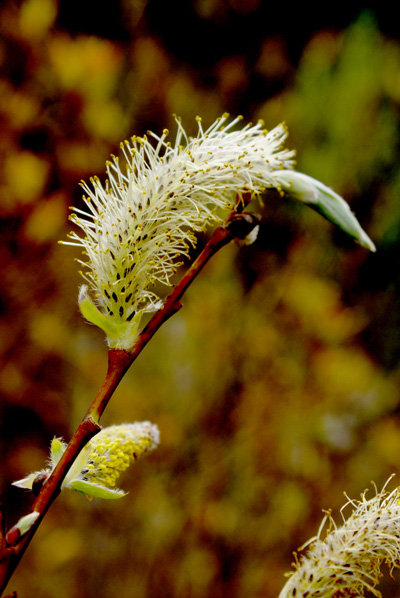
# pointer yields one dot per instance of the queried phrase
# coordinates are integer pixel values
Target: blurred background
(276, 387)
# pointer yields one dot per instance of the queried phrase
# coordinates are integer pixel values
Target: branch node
(241, 225)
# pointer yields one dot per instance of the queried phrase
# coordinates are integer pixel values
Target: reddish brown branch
(237, 226)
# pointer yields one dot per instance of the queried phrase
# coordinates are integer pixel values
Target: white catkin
(142, 222)
(139, 225)
(348, 560)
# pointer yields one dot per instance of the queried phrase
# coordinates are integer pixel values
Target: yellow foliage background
(276, 386)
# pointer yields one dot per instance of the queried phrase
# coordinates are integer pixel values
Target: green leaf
(325, 201)
(120, 333)
(57, 449)
(26, 482)
(95, 490)
(94, 315)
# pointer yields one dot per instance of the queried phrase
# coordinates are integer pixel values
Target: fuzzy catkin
(140, 224)
(348, 561)
(114, 449)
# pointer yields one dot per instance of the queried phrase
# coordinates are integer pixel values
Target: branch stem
(119, 362)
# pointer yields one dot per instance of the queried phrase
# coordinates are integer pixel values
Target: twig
(237, 226)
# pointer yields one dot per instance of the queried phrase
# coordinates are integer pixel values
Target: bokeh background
(276, 388)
